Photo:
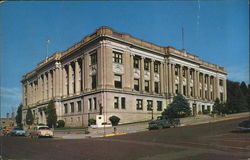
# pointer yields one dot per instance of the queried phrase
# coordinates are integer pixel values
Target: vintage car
(163, 122)
(245, 125)
(17, 132)
(41, 131)
(6, 130)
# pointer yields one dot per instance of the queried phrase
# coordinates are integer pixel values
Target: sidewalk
(138, 127)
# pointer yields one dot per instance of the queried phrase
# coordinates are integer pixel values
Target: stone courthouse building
(112, 73)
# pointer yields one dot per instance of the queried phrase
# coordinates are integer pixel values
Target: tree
(19, 116)
(178, 108)
(51, 117)
(29, 117)
(243, 88)
(219, 108)
(236, 101)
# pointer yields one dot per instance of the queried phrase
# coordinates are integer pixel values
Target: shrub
(41, 124)
(60, 123)
(92, 121)
(114, 120)
(206, 111)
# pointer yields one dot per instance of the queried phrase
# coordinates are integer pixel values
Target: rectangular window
(118, 81)
(116, 102)
(117, 57)
(147, 86)
(136, 84)
(146, 65)
(156, 67)
(93, 58)
(159, 105)
(191, 91)
(139, 104)
(95, 104)
(93, 81)
(191, 74)
(79, 105)
(90, 104)
(183, 72)
(149, 105)
(72, 106)
(123, 101)
(206, 95)
(221, 82)
(136, 62)
(176, 71)
(156, 87)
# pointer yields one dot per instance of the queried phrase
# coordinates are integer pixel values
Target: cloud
(238, 73)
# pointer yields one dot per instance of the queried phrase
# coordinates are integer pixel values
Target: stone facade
(117, 74)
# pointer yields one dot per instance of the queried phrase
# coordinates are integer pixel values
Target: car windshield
(43, 128)
(17, 129)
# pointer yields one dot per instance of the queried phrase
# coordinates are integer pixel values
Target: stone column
(161, 78)
(224, 90)
(142, 74)
(166, 78)
(77, 77)
(126, 85)
(132, 71)
(170, 91)
(87, 78)
(70, 76)
(83, 73)
(214, 89)
(152, 75)
(173, 79)
(203, 86)
(64, 81)
(54, 82)
(45, 86)
(208, 88)
(188, 82)
(49, 84)
(181, 80)
(217, 86)
(198, 85)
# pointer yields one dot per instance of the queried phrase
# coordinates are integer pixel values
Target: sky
(216, 31)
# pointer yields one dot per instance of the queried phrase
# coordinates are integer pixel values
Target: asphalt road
(213, 141)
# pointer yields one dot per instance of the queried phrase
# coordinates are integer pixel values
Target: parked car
(245, 125)
(41, 131)
(6, 130)
(17, 132)
(163, 122)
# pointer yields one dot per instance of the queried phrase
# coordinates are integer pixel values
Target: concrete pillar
(161, 78)
(181, 80)
(49, 85)
(217, 88)
(83, 73)
(77, 77)
(198, 85)
(142, 74)
(64, 81)
(166, 78)
(87, 78)
(203, 86)
(45, 86)
(173, 79)
(208, 88)
(71, 79)
(132, 71)
(224, 90)
(170, 85)
(188, 82)
(126, 75)
(152, 75)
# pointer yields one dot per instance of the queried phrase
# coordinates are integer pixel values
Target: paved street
(219, 140)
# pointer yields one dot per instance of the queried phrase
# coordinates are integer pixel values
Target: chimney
(13, 116)
(7, 115)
